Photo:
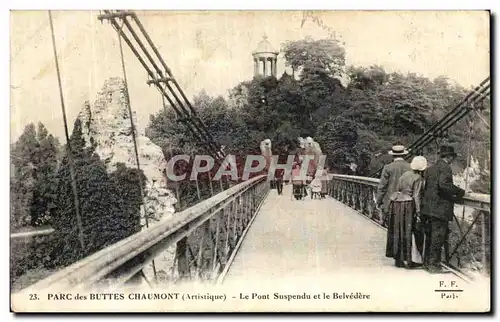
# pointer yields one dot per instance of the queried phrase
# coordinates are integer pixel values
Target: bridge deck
(325, 245)
(321, 236)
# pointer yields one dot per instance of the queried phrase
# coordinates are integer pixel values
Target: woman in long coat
(404, 242)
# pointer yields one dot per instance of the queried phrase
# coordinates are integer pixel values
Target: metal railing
(29, 249)
(31, 233)
(359, 193)
(205, 237)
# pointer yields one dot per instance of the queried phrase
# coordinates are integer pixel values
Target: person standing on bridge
(299, 190)
(404, 241)
(390, 178)
(439, 196)
(278, 175)
(324, 183)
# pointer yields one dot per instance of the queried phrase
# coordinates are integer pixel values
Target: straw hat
(398, 150)
(419, 163)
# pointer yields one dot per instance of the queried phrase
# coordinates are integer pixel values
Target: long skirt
(299, 190)
(404, 240)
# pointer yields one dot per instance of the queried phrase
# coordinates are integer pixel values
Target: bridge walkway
(325, 246)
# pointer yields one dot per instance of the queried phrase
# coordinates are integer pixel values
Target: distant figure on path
(404, 241)
(279, 174)
(439, 196)
(316, 188)
(390, 178)
(299, 190)
(324, 182)
(266, 151)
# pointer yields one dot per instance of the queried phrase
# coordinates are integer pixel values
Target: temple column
(265, 67)
(255, 66)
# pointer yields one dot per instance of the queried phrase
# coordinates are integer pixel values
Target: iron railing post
(486, 240)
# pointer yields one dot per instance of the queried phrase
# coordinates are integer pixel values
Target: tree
(35, 160)
(34, 157)
(324, 54)
(238, 96)
(319, 64)
(109, 203)
(377, 109)
(367, 78)
(22, 181)
(216, 114)
(338, 137)
(44, 192)
(127, 189)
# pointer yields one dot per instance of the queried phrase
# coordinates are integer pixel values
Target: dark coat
(440, 193)
(389, 181)
(279, 174)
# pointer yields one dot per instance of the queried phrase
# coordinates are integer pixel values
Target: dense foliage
(33, 179)
(109, 203)
(42, 193)
(355, 124)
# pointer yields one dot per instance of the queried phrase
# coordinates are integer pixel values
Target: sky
(211, 51)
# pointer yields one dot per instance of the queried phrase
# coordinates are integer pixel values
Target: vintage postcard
(250, 161)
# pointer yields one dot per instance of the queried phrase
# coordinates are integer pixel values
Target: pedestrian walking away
(279, 174)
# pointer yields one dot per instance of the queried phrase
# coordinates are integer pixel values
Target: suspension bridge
(248, 232)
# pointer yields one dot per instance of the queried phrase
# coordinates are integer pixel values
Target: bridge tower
(265, 58)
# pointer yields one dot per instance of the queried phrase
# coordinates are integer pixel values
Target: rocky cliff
(106, 124)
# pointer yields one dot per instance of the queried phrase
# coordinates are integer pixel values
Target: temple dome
(265, 46)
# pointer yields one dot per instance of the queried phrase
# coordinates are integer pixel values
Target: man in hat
(390, 177)
(438, 198)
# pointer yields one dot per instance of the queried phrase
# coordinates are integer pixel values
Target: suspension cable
(482, 119)
(470, 125)
(469, 156)
(216, 161)
(179, 117)
(196, 125)
(134, 138)
(477, 95)
(68, 143)
(132, 125)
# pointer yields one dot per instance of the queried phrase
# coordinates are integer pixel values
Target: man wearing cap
(438, 200)
(390, 177)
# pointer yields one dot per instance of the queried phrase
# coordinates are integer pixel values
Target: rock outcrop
(106, 125)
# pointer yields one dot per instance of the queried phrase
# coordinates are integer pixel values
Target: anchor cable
(68, 142)
(134, 138)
